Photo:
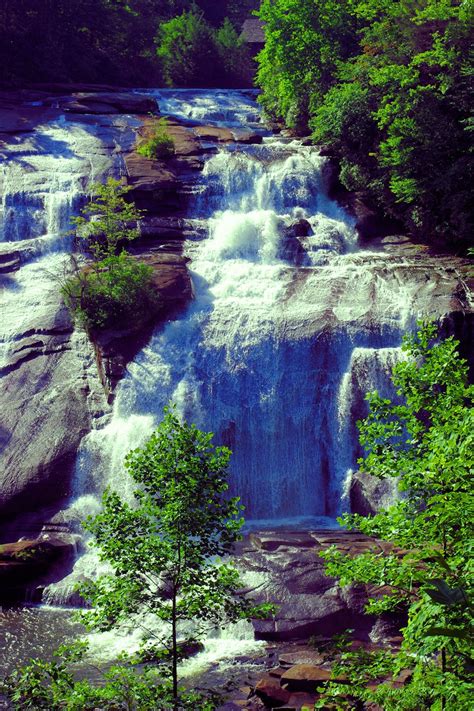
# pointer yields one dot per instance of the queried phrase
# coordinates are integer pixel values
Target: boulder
(301, 228)
(185, 141)
(214, 134)
(269, 690)
(247, 137)
(291, 248)
(308, 601)
(269, 541)
(304, 677)
(305, 656)
(10, 261)
(368, 494)
(29, 564)
(154, 185)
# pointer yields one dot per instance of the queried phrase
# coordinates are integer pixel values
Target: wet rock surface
(289, 572)
(293, 685)
(368, 494)
(28, 565)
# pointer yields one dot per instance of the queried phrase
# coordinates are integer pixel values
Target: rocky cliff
(53, 144)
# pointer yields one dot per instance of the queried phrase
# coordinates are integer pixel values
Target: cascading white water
(42, 182)
(369, 370)
(260, 355)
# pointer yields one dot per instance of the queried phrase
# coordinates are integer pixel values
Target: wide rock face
(284, 567)
(45, 415)
(50, 392)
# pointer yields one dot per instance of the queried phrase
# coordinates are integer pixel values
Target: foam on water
(246, 360)
(42, 184)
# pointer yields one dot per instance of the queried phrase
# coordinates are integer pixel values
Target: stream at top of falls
(291, 324)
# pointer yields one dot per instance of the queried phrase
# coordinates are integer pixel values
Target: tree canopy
(387, 86)
(102, 41)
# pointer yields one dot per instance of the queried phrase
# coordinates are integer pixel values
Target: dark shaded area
(96, 41)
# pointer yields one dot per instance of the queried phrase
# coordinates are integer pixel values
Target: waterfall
(260, 356)
(43, 181)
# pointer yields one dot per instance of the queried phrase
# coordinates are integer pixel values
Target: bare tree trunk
(174, 653)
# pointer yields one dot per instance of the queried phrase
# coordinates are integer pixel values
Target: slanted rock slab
(214, 134)
(305, 656)
(304, 677)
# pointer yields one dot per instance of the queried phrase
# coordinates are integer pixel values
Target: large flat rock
(102, 102)
(286, 569)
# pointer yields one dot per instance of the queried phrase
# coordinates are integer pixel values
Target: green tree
(305, 40)
(165, 548)
(187, 50)
(386, 86)
(236, 64)
(116, 291)
(108, 222)
(425, 440)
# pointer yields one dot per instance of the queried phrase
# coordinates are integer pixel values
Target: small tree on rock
(165, 548)
(108, 221)
(116, 291)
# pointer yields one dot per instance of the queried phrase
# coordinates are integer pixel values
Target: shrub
(115, 293)
(159, 144)
(108, 220)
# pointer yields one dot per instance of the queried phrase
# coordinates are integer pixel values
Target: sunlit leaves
(426, 440)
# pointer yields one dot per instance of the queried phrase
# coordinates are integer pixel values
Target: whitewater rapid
(261, 356)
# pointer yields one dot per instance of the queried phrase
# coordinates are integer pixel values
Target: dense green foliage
(54, 686)
(426, 440)
(115, 291)
(101, 41)
(193, 53)
(108, 222)
(165, 549)
(386, 85)
(158, 144)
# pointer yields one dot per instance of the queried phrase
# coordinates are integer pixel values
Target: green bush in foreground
(426, 440)
(54, 686)
(159, 145)
(115, 293)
